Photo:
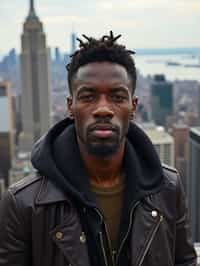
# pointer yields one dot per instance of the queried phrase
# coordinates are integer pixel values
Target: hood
(56, 156)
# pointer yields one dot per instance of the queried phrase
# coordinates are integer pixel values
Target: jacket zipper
(150, 240)
(125, 237)
(108, 239)
(128, 231)
(109, 244)
(103, 249)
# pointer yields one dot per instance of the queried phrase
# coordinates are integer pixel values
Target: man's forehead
(102, 70)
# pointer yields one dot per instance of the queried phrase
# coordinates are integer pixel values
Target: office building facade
(6, 133)
(181, 145)
(35, 76)
(193, 181)
(162, 141)
(161, 100)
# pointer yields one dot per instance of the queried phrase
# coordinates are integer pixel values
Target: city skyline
(143, 23)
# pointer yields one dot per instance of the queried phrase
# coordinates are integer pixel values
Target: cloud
(127, 5)
(142, 22)
(62, 19)
(136, 4)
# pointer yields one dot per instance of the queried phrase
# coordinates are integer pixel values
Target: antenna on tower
(32, 9)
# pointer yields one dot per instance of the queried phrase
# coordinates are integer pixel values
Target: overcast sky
(143, 23)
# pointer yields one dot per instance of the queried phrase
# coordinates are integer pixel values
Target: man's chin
(102, 149)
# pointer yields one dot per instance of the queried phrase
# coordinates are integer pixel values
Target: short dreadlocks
(104, 49)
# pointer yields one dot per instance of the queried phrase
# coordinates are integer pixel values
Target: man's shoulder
(36, 189)
(31, 180)
(22, 193)
(172, 177)
(169, 169)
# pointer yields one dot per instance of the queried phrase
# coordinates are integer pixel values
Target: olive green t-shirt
(109, 201)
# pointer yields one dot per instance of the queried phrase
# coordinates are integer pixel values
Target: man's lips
(103, 130)
(103, 133)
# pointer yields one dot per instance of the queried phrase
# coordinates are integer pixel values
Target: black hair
(98, 50)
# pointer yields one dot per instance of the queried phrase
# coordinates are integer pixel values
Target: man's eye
(119, 98)
(86, 97)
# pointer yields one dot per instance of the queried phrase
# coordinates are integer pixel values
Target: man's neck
(104, 171)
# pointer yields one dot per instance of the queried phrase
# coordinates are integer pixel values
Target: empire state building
(35, 76)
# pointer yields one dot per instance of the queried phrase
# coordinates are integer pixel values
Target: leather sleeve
(14, 250)
(184, 251)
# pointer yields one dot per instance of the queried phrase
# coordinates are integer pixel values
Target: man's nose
(103, 110)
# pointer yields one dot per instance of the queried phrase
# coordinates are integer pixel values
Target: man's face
(101, 106)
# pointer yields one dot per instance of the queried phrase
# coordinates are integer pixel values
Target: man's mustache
(103, 123)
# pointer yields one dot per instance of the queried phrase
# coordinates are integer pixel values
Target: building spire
(32, 9)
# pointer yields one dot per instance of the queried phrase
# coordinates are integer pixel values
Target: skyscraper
(181, 138)
(193, 182)
(198, 106)
(35, 77)
(57, 55)
(6, 132)
(162, 141)
(161, 100)
(73, 42)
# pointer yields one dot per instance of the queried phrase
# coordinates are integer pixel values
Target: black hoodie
(57, 156)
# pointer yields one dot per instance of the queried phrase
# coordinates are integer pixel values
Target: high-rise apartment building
(198, 106)
(161, 100)
(57, 55)
(181, 142)
(193, 181)
(2, 187)
(73, 42)
(35, 77)
(6, 133)
(162, 141)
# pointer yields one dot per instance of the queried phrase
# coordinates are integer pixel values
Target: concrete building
(21, 166)
(197, 248)
(161, 100)
(181, 143)
(2, 187)
(6, 132)
(162, 141)
(193, 181)
(198, 106)
(35, 77)
(73, 42)
(57, 55)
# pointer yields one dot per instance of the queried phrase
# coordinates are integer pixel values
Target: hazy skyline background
(143, 23)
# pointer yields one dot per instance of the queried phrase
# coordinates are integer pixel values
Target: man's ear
(134, 107)
(134, 103)
(69, 107)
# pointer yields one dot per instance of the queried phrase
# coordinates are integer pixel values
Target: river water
(173, 66)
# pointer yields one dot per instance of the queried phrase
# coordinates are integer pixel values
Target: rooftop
(4, 111)
(157, 134)
(196, 130)
(195, 134)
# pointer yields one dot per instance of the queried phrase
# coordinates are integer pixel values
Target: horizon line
(186, 48)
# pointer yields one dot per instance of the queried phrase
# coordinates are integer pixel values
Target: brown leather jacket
(40, 226)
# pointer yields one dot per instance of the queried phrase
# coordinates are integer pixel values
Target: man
(100, 196)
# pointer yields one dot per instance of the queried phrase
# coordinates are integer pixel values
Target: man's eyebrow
(119, 89)
(85, 89)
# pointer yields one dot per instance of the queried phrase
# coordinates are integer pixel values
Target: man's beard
(103, 148)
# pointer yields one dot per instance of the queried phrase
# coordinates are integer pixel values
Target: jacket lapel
(146, 222)
(49, 193)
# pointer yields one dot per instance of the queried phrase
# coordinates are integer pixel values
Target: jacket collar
(57, 157)
(49, 193)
